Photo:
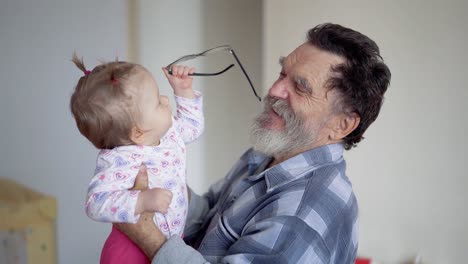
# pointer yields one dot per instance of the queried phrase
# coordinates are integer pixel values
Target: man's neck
(273, 162)
(282, 157)
(285, 156)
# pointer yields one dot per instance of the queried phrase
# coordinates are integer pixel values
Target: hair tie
(87, 72)
(114, 80)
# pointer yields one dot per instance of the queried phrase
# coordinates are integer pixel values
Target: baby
(117, 106)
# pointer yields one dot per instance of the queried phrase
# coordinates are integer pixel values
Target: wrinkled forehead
(311, 62)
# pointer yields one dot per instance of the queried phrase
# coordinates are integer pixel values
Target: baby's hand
(154, 200)
(180, 80)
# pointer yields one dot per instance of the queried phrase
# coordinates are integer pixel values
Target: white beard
(293, 137)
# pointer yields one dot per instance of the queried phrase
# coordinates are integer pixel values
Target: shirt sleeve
(197, 210)
(175, 251)
(273, 240)
(108, 198)
(199, 206)
(279, 239)
(189, 119)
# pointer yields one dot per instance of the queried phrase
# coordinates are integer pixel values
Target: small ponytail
(80, 64)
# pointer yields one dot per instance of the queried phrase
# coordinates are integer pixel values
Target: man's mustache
(279, 106)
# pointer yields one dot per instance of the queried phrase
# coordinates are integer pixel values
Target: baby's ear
(137, 136)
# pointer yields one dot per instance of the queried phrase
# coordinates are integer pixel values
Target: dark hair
(361, 81)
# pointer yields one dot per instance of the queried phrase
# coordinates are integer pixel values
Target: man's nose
(279, 90)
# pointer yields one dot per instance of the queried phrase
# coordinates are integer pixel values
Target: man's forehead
(310, 63)
(308, 54)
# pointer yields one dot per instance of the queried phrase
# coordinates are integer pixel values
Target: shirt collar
(293, 168)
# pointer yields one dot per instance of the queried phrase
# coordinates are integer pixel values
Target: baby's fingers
(180, 71)
(175, 70)
(166, 73)
(191, 70)
(187, 71)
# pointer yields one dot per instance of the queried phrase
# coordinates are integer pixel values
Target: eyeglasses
(209, 52)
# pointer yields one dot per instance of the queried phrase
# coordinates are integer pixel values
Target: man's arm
(200, 205)
(144, 233)
(155, 246)
(197, 211)
(273, 239)
(280, 239)
(150, 239)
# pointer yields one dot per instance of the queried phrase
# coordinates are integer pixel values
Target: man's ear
(345, 123)
(137, 136)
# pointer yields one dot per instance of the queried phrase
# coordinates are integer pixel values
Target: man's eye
(299, 89)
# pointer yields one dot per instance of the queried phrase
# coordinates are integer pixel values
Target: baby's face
(155, 111)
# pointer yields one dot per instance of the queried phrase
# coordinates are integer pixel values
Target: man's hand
(144, 233)
(153, 200)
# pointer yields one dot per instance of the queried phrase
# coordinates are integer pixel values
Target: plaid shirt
(302, 210)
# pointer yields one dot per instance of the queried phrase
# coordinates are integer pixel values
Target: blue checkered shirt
(302, 210)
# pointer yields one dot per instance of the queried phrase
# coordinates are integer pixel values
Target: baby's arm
(124, 206)
(109, 199)
(189, 118)
(112, 204)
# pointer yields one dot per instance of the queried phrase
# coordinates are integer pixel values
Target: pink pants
(119, 249)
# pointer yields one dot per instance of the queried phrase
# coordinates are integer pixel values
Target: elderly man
(288, 200)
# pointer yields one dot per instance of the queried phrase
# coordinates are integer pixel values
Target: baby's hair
(103, 107)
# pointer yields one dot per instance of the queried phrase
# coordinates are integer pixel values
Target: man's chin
(266, 141)
(273, 128)
(275, 125)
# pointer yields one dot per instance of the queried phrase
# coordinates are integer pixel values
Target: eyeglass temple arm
(245, 73)
(205, 74)
(212, 74)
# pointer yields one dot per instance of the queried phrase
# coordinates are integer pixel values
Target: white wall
(40, 144)
(171, 29)
(409, 173)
